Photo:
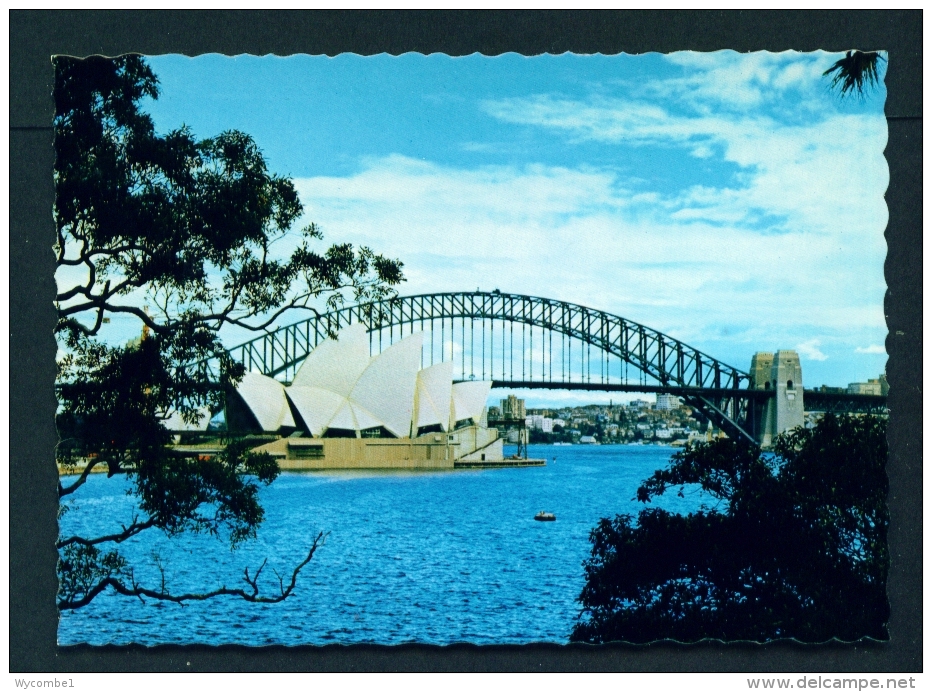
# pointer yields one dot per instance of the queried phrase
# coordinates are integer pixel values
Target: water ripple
(432, 557)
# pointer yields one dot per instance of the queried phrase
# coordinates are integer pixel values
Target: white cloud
(790, 252)
(580, 236)
(873, 349)
(739, 81)
(810, 349)
(820, 176)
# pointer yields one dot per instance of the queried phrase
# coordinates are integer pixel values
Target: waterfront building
(347, 409)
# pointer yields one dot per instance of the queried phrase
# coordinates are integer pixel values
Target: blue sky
(730, 200)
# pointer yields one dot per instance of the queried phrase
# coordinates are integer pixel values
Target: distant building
(872, 387)
(588, 440)
(668, 402)
(538, 422)
(513, 408)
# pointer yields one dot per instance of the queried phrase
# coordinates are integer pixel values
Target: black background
(36, 35)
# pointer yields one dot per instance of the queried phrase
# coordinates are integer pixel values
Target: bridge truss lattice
(521, 341)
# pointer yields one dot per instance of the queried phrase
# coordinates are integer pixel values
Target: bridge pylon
(781, 373)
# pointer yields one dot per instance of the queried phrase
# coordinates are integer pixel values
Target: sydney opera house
(347, 409)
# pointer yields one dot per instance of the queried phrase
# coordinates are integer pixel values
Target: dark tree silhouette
(796, 549)
(855, 72)
(187, 227)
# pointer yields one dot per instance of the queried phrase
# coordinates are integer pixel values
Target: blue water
(431, 557)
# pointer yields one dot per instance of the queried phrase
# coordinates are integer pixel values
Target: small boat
(545, 516)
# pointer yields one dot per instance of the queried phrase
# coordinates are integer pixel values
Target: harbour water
(430, 557)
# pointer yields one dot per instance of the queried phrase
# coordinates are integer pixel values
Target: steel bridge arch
(719, 390)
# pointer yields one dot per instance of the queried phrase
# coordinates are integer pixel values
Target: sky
(733, 201)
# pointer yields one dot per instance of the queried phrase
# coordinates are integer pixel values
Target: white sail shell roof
(352, 416)
(316, 406)
(469, 399)
(176, 423)
(265, 397)
(433, 396)
(386, 387)
(336, 364)
(340, 386)
(348, 390)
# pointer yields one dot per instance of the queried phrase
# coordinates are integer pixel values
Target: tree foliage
(856, 72)
(796, 549)
(202, 232)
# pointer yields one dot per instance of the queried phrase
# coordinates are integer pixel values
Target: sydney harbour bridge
(527, 342)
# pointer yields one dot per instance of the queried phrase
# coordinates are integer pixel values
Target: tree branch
(62, 491)
(252, 595)
(86, 289)
(86, 254)
(128, 532)
(102, 305)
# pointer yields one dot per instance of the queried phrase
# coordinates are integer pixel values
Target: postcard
(496, 350)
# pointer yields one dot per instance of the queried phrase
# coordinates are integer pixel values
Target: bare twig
(134, 589)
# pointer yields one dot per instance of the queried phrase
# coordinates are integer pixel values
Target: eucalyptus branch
(86, 254)
(293, 305)
(297, 303)
(62, 491)
(127, 532)
(103, 305)
(87, 331)
(251, 595)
